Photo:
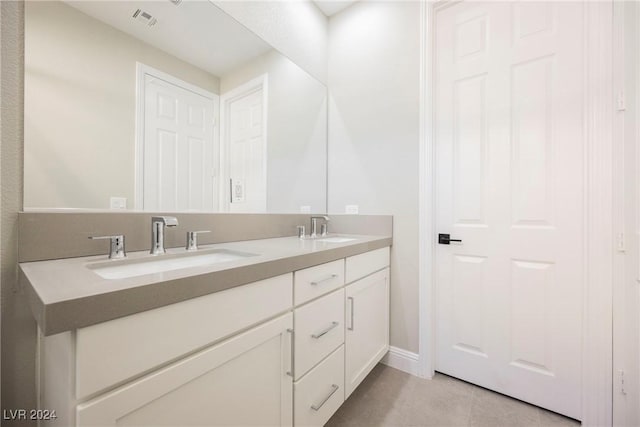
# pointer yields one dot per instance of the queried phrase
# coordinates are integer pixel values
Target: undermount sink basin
(123, 269)
(336, 239)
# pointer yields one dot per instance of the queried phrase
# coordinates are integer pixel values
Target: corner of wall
(18, 329)
(298, 29)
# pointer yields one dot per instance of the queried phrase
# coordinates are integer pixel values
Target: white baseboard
(402, 360)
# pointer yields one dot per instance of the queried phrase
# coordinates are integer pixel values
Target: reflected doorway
(176, 145)
(244, 147)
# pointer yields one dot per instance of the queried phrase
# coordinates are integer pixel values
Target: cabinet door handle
(350, 327)
(291, 343)
(324, 331)
(317, 282)
(334, 388)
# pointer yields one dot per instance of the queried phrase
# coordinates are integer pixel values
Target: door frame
(598, 110)
(143, 70)
(244, 89)
(625, 348)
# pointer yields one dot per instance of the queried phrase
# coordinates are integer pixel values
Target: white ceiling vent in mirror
(142, 16)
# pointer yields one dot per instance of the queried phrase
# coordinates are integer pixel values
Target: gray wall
(374, 53)
(18, 328)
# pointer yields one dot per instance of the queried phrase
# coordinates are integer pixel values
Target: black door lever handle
(445, 239)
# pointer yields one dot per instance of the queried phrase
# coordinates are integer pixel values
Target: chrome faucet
(314, 226)
(192, 239)
(158, 223)
(116, 247)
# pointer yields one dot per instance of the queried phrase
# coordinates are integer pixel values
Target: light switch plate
(351, 209)
(118, 203)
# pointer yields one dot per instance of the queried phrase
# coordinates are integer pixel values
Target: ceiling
(196, 32)
(331, 7)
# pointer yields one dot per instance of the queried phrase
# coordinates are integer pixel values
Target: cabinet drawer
(112, 352)
(315, 281)
(320, 393)
(319, 330)
(361, 265)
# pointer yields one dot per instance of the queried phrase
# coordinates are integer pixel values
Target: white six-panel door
(509, 154)
(179, 152)
(246, 148)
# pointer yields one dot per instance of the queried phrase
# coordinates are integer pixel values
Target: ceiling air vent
(142, 16)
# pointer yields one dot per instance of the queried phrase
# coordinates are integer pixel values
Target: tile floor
(388, 397)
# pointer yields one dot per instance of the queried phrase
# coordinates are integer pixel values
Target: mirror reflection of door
(177, 155)
(244, 144)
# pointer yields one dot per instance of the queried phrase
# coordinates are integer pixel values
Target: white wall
(374, 54)
(298, 29)
(296, 132)
(80, 104)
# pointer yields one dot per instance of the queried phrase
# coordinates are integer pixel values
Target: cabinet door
(241, 381)
(367, 335)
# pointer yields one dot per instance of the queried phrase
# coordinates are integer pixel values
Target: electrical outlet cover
(118, 203)
(351, 209)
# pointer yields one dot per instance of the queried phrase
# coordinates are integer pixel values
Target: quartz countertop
(65, 294)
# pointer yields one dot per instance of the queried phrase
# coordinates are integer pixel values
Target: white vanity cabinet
(138, 343)
(241, 381)
(202, 361)
(287, 350)
(365, 306)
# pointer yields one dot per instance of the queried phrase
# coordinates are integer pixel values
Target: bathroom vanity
(287, 349)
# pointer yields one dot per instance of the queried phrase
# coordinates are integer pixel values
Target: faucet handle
(192, 239)
(116, 247)
(301, 231)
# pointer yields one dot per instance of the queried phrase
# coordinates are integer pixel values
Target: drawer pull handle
(324, 332)
(291, 366)
(334, 388)
(317, 282)
(351, 306)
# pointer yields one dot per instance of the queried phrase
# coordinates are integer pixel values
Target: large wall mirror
(166, 105)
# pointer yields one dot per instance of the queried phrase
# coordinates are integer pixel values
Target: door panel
(247, 153)
(178, 165)
(509, 150)
(469, 274)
